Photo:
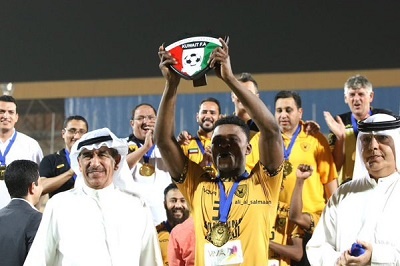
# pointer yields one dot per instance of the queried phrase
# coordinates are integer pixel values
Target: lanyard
(286, 152)
(355, 124)
(69, 161)
(3, 157)
(226, 201)
(201, 147)
(147, 155)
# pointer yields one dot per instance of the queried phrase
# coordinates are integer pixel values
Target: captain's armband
(182, 176)
(274, 173)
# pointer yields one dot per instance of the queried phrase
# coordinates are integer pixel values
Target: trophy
(193, 56)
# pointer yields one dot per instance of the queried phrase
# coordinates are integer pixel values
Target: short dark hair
(19, 176)
(289, 94)
(245, 77)
(8, 98)
(213, 100)
(143, 104)
(168, 188)
(234, 120)
(76, 117)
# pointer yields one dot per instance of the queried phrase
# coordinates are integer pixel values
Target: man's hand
(166, 60)
(304, 171)
(184, 138)
(364, 259)
(207, 158)
(220, 61)
(70, 172)
(148, 141)
(336, 126)
(311, 127)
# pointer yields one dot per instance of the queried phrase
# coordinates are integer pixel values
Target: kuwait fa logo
(193, 56)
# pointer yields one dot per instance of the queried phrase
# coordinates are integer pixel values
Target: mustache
(95, 169)
(207, 119)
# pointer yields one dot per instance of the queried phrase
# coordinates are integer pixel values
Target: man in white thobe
(99, 222)
(364, 210)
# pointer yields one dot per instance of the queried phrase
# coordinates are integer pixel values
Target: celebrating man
(98, 222)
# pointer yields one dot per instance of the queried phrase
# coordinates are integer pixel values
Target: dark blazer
(18, 225)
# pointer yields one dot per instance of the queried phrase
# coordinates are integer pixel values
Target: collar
(95, 193)
(11, 136)
(385, 181)
(30, 204)
(133, 138)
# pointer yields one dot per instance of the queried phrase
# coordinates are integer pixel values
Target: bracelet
(274, 173)
(182, 176)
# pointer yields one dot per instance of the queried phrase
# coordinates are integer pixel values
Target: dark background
(76, 40)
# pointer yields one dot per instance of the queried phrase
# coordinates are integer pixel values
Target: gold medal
(2, 171)
(219, 234)
(281, 223)
(146, 170)
(210, 170)
(287, 168)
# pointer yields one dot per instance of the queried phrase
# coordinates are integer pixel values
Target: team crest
(193, 56)
(305, 146)
(241, 191)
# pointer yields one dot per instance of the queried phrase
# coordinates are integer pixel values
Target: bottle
(356, 250)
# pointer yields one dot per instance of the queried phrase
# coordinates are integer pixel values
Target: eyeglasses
(74, 131)
(143, 117)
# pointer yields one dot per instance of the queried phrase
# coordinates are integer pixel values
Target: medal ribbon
(69, 161)
(146, 157)
(226, 202)
(201, 147)
(354, 123)
(286, 152)
(3, 157)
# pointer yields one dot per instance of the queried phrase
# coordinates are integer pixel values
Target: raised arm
(338, 129)
(271, 152)
(164, 137)
(134, 157)
(296, 214)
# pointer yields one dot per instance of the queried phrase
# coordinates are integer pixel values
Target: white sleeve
(151, 253)
(37, 153)
(385, 254)
(321, 249)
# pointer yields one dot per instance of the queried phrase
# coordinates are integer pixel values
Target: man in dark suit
(19, 220)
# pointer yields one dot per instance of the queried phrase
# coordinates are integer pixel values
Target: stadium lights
(7, 88)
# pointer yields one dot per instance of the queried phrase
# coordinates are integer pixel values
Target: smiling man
(198, 148)
(177, 212)
(14, 145)
(56, 168)
(364, 210)
(98, 222)
(148, 169)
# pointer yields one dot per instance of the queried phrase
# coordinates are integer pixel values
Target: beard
(207, 129)
(174, 220)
